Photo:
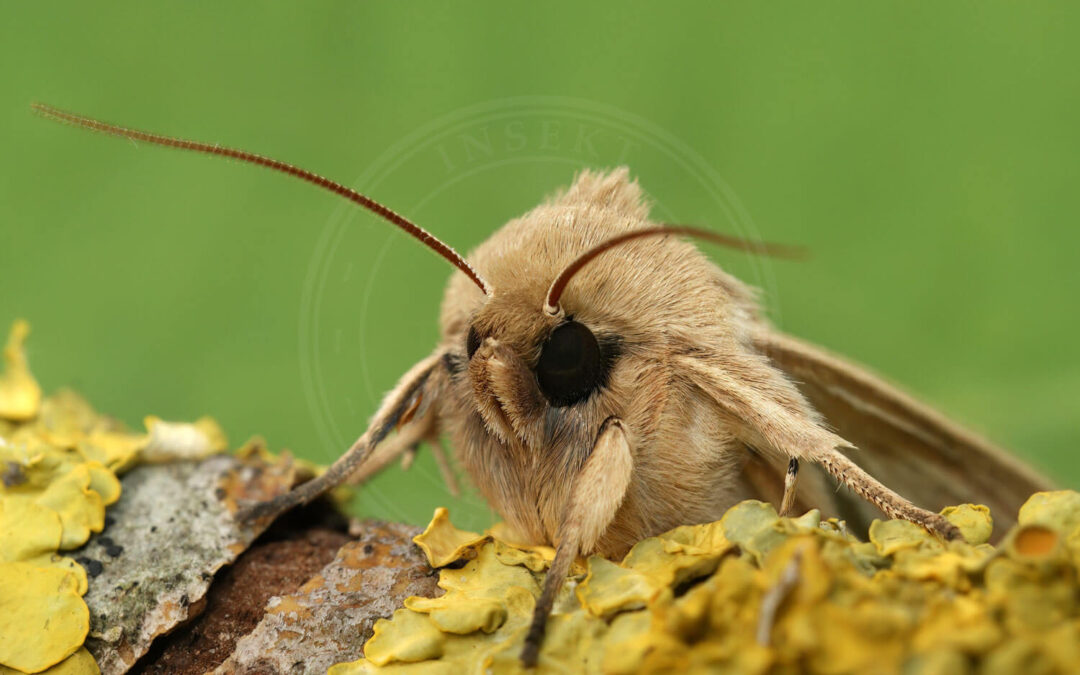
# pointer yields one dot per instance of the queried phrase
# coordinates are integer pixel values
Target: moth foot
(530, 654)
(937, 524)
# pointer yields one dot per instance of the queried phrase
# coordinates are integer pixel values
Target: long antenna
(555, 291)
(425, 237)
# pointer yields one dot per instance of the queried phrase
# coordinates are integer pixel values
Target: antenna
(425, 237)
(555, 291)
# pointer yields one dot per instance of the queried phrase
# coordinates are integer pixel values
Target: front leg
(768, 413)
(597, 493)
(397, 408)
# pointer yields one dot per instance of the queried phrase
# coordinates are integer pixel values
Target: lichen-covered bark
(330, 617)
(277, 564)
(171, 531)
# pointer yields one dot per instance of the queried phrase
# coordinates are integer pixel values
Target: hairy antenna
(555, 291)
(425, 237)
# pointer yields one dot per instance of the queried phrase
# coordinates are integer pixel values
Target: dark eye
(472, 342)
(571, 365)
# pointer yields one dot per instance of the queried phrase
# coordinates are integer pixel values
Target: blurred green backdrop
(927, 153)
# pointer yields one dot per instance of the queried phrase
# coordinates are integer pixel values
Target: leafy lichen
(757, 593)
(59, 466)
(20, 395)
(751, 593)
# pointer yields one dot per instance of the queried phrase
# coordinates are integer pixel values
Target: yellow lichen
(59, 461)
(79, 663)
(20, 395)
(1058, 510)
(757, 593)
(443, 543)
(43, 619)
(117, 451)
(486, 582)
(610, 588)
(77, 491)
(974, 522)
(408, 637)
(27, 530)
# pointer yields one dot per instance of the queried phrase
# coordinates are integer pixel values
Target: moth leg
(771, 414)
(442, 460)
(408, 457)
(411, 431)
(891, 504)
(407, 446)
(401, 401)
(384, 455)
(920, 453)
(790, 479)
(597, 493)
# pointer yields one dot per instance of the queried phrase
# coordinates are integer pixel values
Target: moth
(602, 381)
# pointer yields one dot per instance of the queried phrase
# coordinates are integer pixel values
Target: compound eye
(570, 365)
(472, 342)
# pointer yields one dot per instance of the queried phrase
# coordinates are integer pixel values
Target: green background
(926, 153)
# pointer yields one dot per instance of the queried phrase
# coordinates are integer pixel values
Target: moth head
(531, 376)
(582, 305)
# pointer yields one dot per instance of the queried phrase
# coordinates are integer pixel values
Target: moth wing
(905, 444)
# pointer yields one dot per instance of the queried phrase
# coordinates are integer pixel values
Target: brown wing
(903, 443)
